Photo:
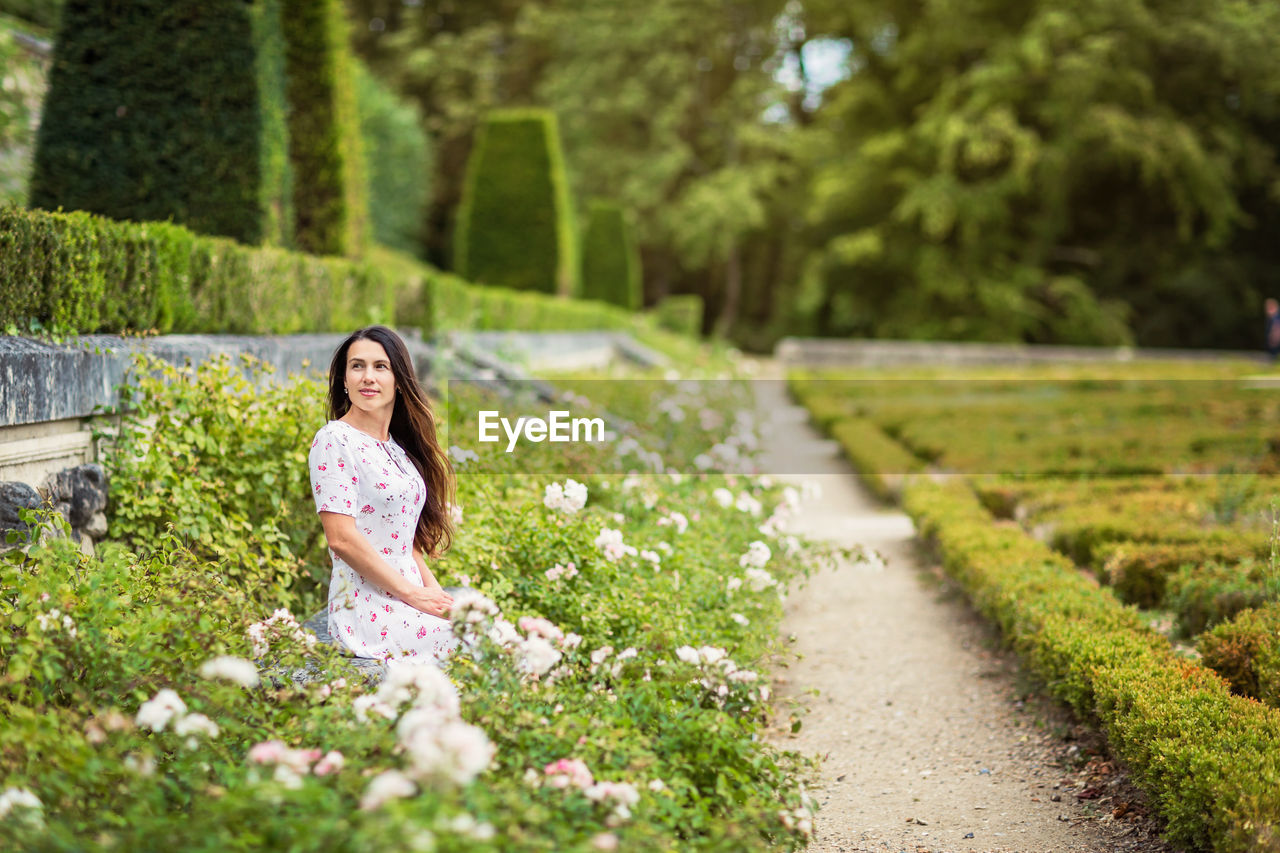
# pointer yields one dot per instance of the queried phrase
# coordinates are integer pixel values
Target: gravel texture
(929, 737)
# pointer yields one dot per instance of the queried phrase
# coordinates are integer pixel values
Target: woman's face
(370, 382)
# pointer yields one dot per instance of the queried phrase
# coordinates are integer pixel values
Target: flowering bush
(218, 455)
(147, 693)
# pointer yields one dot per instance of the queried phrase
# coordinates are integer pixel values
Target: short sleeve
(332, 475)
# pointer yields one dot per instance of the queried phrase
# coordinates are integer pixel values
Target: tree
(397, 154)
(1046, 170)
(661, 105)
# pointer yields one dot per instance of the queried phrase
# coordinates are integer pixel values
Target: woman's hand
(430, 600)
(349, 544)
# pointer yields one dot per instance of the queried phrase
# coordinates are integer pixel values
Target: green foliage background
(40, 13)
(21, 94)
(399, 160)
(1049, 172)
(990, 171)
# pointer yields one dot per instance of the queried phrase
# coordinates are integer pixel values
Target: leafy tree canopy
(1047, 170)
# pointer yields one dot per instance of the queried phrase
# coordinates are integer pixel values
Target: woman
(383, 488)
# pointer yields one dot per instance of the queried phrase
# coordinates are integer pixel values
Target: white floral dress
(375, 483)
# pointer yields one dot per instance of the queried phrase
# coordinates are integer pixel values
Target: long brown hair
(413, 426)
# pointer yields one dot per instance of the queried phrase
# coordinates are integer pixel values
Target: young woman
(383, 488)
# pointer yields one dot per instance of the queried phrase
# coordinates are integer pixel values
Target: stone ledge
(41, 381)
(843, 352)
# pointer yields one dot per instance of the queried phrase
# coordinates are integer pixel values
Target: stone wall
(52, 394)
(839, 352)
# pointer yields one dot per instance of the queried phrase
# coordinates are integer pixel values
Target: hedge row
(168, 110)
(1209, 760)
(883, 464)
(1246, 652)
(1140, 572)
(75, 272)
(458, 304)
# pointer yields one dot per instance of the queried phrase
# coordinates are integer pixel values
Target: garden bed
(1087, 502)
(611, 694)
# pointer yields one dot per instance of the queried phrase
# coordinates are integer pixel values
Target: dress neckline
(390, 438)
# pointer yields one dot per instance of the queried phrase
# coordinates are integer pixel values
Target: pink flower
(538, 627)
(268, 752)
(568, 771)
(331, 763)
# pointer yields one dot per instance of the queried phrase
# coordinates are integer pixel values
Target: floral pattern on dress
(375, 482)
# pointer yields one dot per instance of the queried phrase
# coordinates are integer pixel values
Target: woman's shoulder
(332, 434)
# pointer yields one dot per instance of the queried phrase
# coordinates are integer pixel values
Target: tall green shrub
(329, 198)
(610, 261)
(515, 224)
(399, 163)
(167, 110)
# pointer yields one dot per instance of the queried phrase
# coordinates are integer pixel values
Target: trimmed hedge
(610, 260)
(514, 226)
(883, 464)
(77, 272)
(1209, 760)
(330, 205)
(1246, 652)
(167, 110)
(398, 160)
(457, 304)
(1140, 571)
(1201, 596)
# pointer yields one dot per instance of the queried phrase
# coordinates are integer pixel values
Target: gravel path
(929, 736)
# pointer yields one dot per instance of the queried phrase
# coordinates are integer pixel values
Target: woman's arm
(428, 578)
(355, 550)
